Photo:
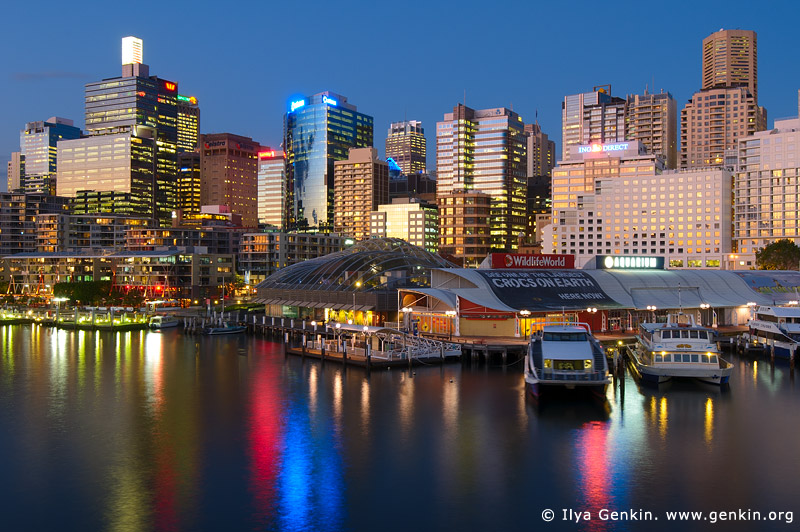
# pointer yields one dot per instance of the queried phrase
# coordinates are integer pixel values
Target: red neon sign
(170, 86)
(269, 154)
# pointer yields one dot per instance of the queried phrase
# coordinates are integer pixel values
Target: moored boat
(163, 322)
(565, 356)
(678, 348)
(225, 329)
(775, 329)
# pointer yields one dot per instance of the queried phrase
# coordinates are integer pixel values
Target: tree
(781, 255)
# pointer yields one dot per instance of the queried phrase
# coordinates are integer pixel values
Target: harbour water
(161, 431)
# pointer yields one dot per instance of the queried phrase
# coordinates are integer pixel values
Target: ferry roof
(781, 312)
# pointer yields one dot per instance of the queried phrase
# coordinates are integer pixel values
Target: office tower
(189, 184)
(361, 183)
(188, 123)
(415, 221)
(618, 199)
(484, 150)
(726, 108)
(539, 206)
(229, 174)
(767, 187)
(272, 188)
(464, 225)
(132, 50)
(730, 59)
(18, 214)
(591, 117)
(541, 151)
(133, 116)
(652, 119)
(38, 144)
(16, 169)
(406, 145)
(319, 130)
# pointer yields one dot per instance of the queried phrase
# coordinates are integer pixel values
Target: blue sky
(393, 60)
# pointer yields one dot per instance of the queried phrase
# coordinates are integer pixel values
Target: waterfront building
(319, 130)
(262, 254)
(185, 274)
(132, 148)
(188, 132)
(218, 240)
(413, 220)
(652, 119)
(189, 183)
(406, 145)
(541, 151)
(617, 199)
(766, 189)
(464, 226)
(483, 150)
(38, 146)
(272, 188)
(68, 232)
(18, 214)
(229, 174)
(16, 169)
(591, 117)
(726, 108)
(358, 284)
(361, 183)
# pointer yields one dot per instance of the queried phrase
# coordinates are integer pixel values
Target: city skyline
(208, 60)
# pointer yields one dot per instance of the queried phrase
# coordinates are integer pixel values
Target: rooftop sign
(532, 262)
(622, 262)
(599, 148)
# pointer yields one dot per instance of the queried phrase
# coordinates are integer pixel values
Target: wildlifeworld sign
(547, 289)
(523, 261)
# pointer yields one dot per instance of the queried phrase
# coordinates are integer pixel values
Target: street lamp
(525, 313)
(704, 306)
(652, 308)
(451, 314)
(358, 285)
(592, 311)
(406, 311)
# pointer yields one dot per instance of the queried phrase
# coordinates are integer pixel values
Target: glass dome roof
(371, 265)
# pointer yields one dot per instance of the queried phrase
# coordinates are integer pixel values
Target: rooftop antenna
(680, 305)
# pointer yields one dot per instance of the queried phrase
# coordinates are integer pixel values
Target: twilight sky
(394, 60)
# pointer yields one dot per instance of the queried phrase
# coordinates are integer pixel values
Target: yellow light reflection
(337, 397)
(365, 406)
(662, 417)
(312, 390)
(755, 372)
(405, 404)
(709, 420)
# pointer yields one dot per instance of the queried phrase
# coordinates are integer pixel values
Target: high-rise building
(189, 184)
(484, 150)
(406, 145)
(18, 214)
(591, 118)
(319, 130)
(16, 169)
(730, 59)
(272, 188)
(652, 119)
(713, 122)
(38, 144)
(415, 221)
(618, 199)
(139, 112)
(464, 226)
(541, 151)
(767, 186)
(188, 123)
(726, 108)
(361, 184)
(229, 174)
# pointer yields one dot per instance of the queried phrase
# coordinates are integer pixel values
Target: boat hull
(217, 331)
(649, 374)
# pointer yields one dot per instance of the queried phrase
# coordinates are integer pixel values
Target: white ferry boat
(565, 356)
(163, 322)
(775, 329)
(225, 328)
(678, 349)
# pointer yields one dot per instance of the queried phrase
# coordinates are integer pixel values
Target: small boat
(775, 329)
(565, 356)
(678, 348)
(225, 329)
(163, 322)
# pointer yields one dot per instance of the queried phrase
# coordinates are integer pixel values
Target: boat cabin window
(713, 359)
(658, 358)
(694, 334)
(695, 358)
(766, 317)
(667, 358)
(705, 359)
(564, 337)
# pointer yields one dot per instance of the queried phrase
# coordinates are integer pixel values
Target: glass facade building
(38, 147)
(319, 130)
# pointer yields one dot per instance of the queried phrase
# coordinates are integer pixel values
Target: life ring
(425, 326)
